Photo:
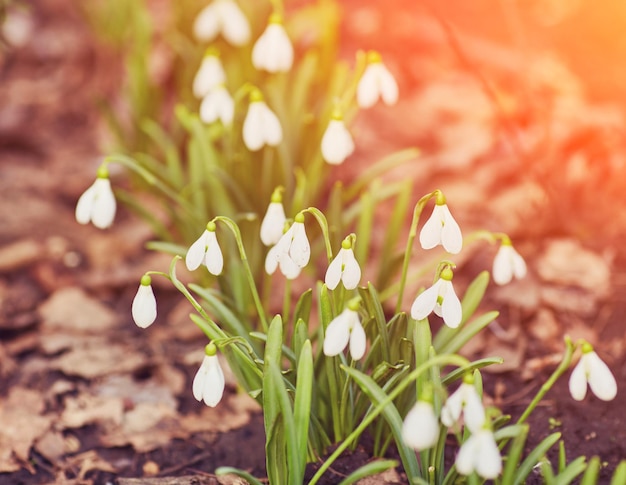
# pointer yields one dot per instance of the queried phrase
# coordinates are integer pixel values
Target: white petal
(206, 26)
(196, 252)
(425, 302)
(209, 75)
(288, 268)
(235, 25)
(272, 131)
(351, 271)
(466, 458)
(488, 462)
(451, 237)
(214, 260)
(337, 334)
(84, 206)
(430, 235)
(337, 143)
(578, 381)
(209, 108)
(273, 51)
(473, 409)
(388, 86)
(300, 250)
(198, 381)
(519, 265)
(420, 429)
(502, 265)
(253, 131)
(144, 308)
(367, 89)
(213, 387)
(258, 52)
(217, 104)
(104, 206)
(451, 410)
(601, 379)
(271, 260)
(451, 310)
(358, 340)
(273, 224)
(333, 273)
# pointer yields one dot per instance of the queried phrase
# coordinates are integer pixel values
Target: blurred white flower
(440, 298)
(420, 429)
(507, 264)
(209, 76)
(593, 371)
(144, 308)
(261, 126)
(441, 228)
(344, 268)
(337, 143)
(343, 329)
(208, 384)
(376, 82)
(274, 221)
(97, 204)
(217, 104)
(292, 252)
(273, 51)
(480, 454)
(223, 16)
(206, 250)
(467, 401)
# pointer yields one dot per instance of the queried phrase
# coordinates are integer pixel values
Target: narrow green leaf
(573, 470)
(227, 470)
(591, 473)
(303, 307)
(619, 476)
(368, 470)
(463, 334)
(515, 450)
(533, 458)
(302, 408)
(375, 309)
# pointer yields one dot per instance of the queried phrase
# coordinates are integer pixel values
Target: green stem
(321, 220)
(287, 301)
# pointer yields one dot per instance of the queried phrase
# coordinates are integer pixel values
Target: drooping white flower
(274, 221)
(261, 126)
(440, 298)
(480, 454)
(376, 82)
(208, 384)
(292, 252)
(225, 17)
(593, 371)
(337, 143)
(206, 250)
(420, 429)
(343, 329)
(144, 308)
(273, 51)
(441, 228)
(217, 104)
(507, 264)
(467, 401)
(97, 204)
(344, 268)
(209, 76)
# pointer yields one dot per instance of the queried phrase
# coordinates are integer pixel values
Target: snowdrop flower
(223, 16)
(292, 252)
(217, 104)
(97, 204)
(261, 126)
(343, 329)
(420, 429)
(209, 76)
(206, 250)
(441, 228)
(208, 384)
(467, 401)
(593, 371)
(144, 307)
(480, 453)
(440, 298)
(507, 264)
(344, 268)
(273, 51)
(376, 82)
(337, 143)
(274, 220)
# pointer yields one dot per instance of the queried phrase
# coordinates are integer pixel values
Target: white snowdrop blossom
(209, 76)
(480, 454)
(441, 228)
(420, 429)
(208, 384)
(292, 252)
(261, 125)
(344, 268)
(375, 83)
(225, 17)
(467, 401)
(593, 371)
(144, 308)
(337, 143)
(206, 250)
(345, 329)
(507, 264)
(274, 221)
(217, 104)
(97, 204)
(440, 298)
(273, 51)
